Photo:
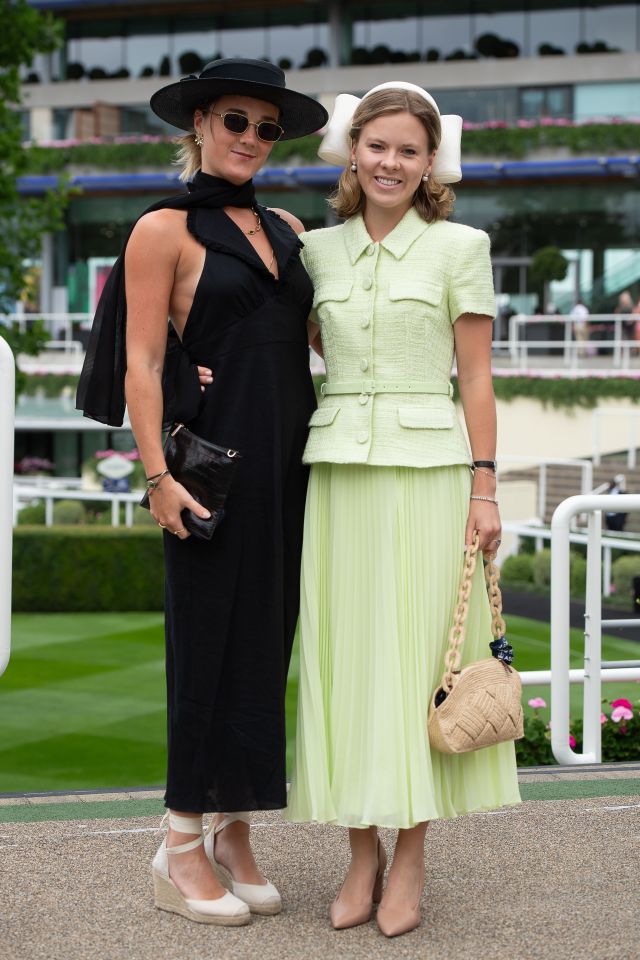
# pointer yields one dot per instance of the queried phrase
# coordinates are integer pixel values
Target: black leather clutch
(205, 470)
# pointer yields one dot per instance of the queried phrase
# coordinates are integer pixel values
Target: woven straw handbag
(479, 705)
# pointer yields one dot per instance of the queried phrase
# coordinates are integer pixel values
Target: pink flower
(603, 719)
(572, 741)
(621, 703)
(621, 713)
(536, 702)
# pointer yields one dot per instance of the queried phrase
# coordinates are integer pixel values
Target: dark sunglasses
(266, 130)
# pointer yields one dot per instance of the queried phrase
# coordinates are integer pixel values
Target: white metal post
(561, 676)
(592, 693)
(7, 421)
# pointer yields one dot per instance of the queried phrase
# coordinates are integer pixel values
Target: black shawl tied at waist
(100, 393)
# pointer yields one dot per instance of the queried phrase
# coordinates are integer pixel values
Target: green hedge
(77, 569)
(533, 571)
(594, 139)
(566, 393)
(623, 570)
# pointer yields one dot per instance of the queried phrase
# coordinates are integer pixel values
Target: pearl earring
(354, 166)
(199, 140)
(425, 177)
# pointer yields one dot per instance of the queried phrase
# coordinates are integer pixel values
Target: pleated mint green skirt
(382, 559)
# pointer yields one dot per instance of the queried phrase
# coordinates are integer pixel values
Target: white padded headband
(336, 143)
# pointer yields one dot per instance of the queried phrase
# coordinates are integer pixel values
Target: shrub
(67, 512)
(542, 568)
(624, 569)
(517, 569)
(32, 515)
(577, 575)
(87, 568)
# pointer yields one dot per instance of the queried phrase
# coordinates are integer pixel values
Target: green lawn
(82, 700)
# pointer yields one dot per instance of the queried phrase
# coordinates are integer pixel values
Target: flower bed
(620, 721)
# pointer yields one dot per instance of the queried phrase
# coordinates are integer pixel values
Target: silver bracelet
(474, 496)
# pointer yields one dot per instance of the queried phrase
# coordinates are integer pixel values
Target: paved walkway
(555, 877)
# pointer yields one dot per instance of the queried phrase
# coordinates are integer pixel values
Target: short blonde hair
(432, 200)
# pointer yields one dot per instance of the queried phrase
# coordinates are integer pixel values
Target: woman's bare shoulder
(160, 223)
(289, 218)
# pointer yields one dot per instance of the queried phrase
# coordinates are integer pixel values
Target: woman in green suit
(392, 499)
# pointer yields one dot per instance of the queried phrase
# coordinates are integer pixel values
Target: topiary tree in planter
(547, 264)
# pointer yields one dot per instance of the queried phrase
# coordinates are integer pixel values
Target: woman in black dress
(228, 274)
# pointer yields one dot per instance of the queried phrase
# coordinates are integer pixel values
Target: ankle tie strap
(186, 825)
(231, 818)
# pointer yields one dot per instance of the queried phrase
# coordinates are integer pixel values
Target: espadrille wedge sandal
(226, 911)
(261, 898)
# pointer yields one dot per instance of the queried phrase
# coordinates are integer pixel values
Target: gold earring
(199, 139)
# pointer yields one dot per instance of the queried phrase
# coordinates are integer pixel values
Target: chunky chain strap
(453, 655)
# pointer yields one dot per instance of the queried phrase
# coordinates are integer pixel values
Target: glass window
(481, 104)
(593, 100)
(559, 29)
(536, 102)
(508, 28)
(614, 25)
(441, 35)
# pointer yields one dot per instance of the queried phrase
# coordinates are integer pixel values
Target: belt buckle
(368, 388)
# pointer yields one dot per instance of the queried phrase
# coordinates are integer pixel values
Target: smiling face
(392, 154)
(235, 157)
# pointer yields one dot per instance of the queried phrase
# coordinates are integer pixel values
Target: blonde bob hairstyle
(432, 200)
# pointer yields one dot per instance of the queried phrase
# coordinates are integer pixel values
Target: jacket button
(363, 399)
(367, 283)
(363, 437)
(364, 323)
(364, 364)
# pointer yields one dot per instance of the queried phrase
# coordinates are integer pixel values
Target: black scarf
(100, 393)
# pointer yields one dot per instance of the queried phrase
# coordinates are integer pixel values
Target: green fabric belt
(370, 387)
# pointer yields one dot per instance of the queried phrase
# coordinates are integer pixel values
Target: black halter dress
(232, 602)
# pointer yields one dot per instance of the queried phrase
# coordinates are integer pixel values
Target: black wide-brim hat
(299, 114)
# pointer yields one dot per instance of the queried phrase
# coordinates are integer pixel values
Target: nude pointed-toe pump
(226, 911)
(344, 915)
(394, 921)
(261, 898)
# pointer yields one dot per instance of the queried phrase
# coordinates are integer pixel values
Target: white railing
(54, 323)
(594, 670)
(24, 494)
(572, 349)
(7, 419)
(596, 418)
(609, 543)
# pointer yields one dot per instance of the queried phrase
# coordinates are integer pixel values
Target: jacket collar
(397, 242)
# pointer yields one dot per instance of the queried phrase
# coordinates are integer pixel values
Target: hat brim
(299, 114)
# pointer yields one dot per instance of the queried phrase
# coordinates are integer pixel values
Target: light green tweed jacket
(386, 312)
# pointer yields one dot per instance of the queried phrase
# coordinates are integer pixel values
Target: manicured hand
(167, 502)
(205, 377)
(485, 518)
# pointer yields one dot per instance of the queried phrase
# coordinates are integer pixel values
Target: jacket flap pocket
(421, 418)
(323, 416)
(333, 290)
(416, 290)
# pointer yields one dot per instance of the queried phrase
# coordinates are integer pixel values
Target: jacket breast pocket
(425, 418)
(329, 295)
(424, 292)
(323, 416)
